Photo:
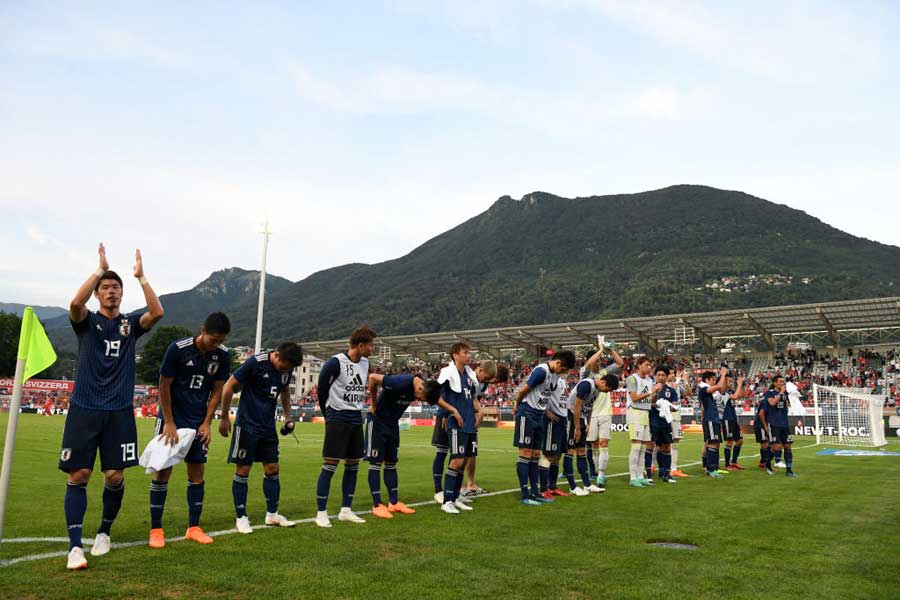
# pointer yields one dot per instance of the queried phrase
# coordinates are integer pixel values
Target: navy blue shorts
(343, 441)
(439, 436)
(248, 448)
(112, 432)
(661, 436)
(529, 432)
(382, 442)
(762, 436)
(731, 431)
(571, 443)
(197, 452)
(556, 435)
(780, 435)
(712, 432)
(462, 444)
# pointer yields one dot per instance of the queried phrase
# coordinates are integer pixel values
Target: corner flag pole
(35, 354)
(262, 287)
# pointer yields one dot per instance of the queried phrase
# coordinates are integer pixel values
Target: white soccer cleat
(242, 524)
(593, 489)
(465, 499)
(76, 559)
(277, 520)
(439, 497)
(101, 545)
(348, 515)
(781, 464)
(322, 519)
(580, 491)
(449, 508)
(462, 505)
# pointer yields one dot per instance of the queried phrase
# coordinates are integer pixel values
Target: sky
(362, 129)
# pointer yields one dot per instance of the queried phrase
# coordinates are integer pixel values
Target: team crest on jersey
(124, 328)
(65, 455)
(212, 367)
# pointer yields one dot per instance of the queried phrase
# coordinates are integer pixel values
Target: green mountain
(545, 259)
(43, 313)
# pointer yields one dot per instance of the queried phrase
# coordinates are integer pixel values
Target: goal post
(848, 416)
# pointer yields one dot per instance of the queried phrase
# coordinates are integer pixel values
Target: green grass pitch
(828, 534)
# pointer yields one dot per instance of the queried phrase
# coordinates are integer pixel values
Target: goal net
(848, 416)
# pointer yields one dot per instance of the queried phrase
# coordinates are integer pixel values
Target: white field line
(119, 545)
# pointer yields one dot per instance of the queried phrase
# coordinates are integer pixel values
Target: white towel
(665, 409)
(159, 455)
(449, 373)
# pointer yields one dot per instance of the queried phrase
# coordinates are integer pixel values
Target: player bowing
(530, 408)
(191, 378)
(101, 411)
(264, 380)
(383, 432)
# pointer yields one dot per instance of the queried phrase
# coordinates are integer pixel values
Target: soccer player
(264, 380)
(342, 398)
(383, 433)
(555, 444)
(530, 408)
(712, 424)
(597, 409)
(641, 392)
(731, 429)
(761, 433)
(487, 372)
(775, 418)
(101, 409)
(458, 390)
(679, 384)
(660, 426)
(191, 377)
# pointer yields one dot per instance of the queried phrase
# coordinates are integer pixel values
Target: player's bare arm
(170, 432)
(215, 398)
(227, 395)
(154, 308)
(78, 306)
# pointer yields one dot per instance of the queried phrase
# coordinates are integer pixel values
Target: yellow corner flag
(34, 346)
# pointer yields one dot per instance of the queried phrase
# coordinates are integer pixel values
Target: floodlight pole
(262, 288)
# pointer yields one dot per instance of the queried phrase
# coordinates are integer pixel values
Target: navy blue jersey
(708, 404)
(776, 416)
(105, 376)
(260, 383)
(730, 413)
(396, 393)
(656, 420)
(193, 373)
(464, 402)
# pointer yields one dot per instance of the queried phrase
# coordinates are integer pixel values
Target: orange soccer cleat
(382, 511)
(197, 534)
(679, 473)
(157, 538)
(401, 508)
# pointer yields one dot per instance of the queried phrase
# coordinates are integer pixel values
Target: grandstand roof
(838, 324)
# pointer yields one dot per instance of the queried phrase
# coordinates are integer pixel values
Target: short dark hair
(502, 374)
(362, 335)
(612, 382)
(776, 378)
(109, 275)
(664, 369)
(707, 375)
(641, 361)
(291, 352)
(458, 347)
(217, 323)
(566, 357)
(432, 391)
